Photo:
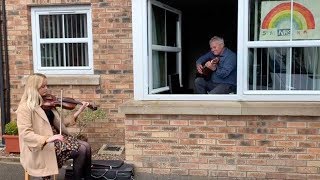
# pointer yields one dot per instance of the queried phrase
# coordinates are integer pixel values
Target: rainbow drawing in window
(279, 20)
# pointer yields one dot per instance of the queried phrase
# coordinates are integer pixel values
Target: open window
(179, 33)
(276, 41)
(164, 32)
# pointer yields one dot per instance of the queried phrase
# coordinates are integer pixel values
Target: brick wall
(112, 54)
(265, 147)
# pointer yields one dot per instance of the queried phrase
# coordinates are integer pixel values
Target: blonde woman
(43, 148)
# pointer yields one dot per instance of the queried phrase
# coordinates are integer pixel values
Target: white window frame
(36, 40)
(140, 63)
(163, 48)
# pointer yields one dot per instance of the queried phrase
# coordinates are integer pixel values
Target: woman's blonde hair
(31, 94)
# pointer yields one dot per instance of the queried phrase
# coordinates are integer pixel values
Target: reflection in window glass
(284, 68)
(283, 20)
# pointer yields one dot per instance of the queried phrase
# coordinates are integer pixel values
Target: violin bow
(61, 116)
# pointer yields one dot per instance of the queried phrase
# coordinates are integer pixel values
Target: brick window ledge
(221, 108)
(71, 80)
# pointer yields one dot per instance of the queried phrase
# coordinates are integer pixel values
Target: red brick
(198, 172)
(296, 124)
(179, 122)
(197, 123)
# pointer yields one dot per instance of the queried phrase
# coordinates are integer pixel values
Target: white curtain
(312, 64)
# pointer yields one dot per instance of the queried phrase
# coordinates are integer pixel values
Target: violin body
(50, 101)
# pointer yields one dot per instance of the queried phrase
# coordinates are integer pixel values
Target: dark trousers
(203, 86)
(82, 162)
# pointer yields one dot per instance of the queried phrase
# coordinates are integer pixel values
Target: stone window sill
(221, 108)
(86, 80)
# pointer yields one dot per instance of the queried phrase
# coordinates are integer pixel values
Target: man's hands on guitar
(212, 64)
(199, 68)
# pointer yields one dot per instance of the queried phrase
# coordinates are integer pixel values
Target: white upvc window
(165, 45)
(62, 40)
(278, 50)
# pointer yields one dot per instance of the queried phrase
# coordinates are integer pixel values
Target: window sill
(71, 80)
(221, 108)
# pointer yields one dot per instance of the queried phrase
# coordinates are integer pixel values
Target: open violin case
(107, 170)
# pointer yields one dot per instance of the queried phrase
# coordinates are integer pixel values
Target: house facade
(120, 53)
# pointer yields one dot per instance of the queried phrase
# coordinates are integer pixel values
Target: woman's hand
(84, 105)
(57, 137)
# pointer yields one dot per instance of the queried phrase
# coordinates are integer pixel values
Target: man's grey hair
(216, 39)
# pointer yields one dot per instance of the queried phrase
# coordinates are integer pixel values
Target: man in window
(217, 69)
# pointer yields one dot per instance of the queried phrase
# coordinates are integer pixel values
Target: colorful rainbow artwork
(303, 19)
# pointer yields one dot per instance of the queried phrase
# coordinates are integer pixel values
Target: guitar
(206, 72)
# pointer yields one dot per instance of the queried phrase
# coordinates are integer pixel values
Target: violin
(50, 101)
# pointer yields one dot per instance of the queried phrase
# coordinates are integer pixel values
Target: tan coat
(38, 158)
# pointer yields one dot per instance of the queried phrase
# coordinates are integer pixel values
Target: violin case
(107, 170)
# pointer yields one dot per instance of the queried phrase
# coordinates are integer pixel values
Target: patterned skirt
(65, 148)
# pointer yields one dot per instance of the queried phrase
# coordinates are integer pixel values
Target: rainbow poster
(281, 18)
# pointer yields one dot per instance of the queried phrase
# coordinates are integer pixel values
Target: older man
(217, 69)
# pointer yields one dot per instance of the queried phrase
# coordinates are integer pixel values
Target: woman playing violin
(43, 148)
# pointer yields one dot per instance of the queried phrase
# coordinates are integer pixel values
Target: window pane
(76, 54)
(75, 25)
(306, 68)
(172, 63)
(158, 69)
(171, 26)
(52, 55)
(276, 20)
(305, 17)
(50, 26)
(284, 68)
(158, 26)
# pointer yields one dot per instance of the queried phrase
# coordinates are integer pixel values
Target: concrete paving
(14, 171)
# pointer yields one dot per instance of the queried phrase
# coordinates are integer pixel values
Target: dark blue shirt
(226, 72)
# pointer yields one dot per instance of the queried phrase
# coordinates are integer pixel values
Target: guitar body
(206, 73)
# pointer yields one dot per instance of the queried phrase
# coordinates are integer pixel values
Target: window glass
(158, 25)
(284, 68)
(75, 25)
(283, 20)
(52, 55)
(76, 54)
(158, 69)
(50, 26)
(172, 66)
(172, 20)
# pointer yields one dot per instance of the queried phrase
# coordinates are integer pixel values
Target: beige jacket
(38, 158)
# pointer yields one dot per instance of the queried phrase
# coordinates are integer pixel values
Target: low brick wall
(280, 147)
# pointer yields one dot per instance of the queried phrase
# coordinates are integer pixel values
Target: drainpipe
(6, 58)
(4, 70)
